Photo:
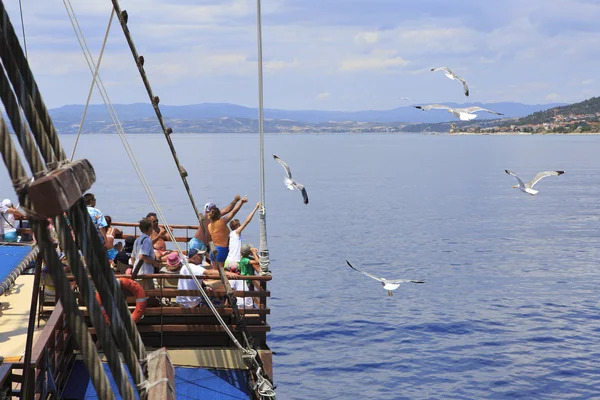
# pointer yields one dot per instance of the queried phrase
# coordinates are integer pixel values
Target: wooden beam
(37, 355)
(211, 293)
(198, 328)
(55, 193)
(161, 376)
(179, 311)
(136, 224)
(5, 374)
(206, 329)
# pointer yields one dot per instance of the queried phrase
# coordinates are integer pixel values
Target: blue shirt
(143, 246)
(97, 217)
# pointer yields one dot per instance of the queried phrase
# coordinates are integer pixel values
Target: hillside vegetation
(585, 108)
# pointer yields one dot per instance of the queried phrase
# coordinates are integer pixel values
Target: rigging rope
(23, 27)
(23, 135)
(255, 359)
(30, 86)
(88, 294)
(87, 102)
(12, 69)
(28, 94)
(154, 100)
(264, 260)
(122, 326)
(22, 266)
(121, 132)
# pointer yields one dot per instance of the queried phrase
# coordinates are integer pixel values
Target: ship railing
(52, 359)
(132, 229)
(168, 323)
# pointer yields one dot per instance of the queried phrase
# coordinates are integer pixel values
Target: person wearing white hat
(194, 259)
(200, 240)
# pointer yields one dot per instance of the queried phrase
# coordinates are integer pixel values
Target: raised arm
(162, 234)
(229, 216)
(254, 261)
(17, 213)
(229, 207)
(248, 219)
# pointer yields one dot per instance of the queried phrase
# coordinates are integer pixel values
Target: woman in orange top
(220, 232)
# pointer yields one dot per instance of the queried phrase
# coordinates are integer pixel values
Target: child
(235, 240)
(247, 265)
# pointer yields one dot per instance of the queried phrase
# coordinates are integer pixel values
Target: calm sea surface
(510, 307)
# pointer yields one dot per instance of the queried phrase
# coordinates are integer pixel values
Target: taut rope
(25, 88)
(139, 61)
(87, 102)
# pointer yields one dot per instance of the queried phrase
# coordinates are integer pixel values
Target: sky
(345, 55)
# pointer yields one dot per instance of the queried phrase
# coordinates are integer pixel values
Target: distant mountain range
(224, 117)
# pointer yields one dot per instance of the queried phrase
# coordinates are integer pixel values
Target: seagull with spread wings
(453, 76)
(388, 284)
(290, 182)
(528, 187)
(464, 114)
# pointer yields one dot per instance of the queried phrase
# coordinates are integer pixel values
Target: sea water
(510, 304)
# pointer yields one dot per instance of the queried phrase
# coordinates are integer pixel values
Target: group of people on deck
(148, 254)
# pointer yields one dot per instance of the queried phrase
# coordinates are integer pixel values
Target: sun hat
(208, 206)
(173, 259)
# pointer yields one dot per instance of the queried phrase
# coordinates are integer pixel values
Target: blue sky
(326, 55)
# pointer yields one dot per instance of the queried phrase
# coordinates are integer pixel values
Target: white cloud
(366, 37)
(552, 96)
(322, 96)
(273, 65)
(206, 50)
(378, 59)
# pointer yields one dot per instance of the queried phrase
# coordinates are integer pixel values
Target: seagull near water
(388, 284)
(290, 182)
(453, 76)
(528, 187)
(464, 114)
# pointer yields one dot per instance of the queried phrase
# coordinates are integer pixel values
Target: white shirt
(235, 245)
(189, 284)
(7, 222)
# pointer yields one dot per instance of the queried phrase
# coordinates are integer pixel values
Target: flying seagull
(388, 284)
(528, 187)
(453, 76)
(291, 183)
(464, 114)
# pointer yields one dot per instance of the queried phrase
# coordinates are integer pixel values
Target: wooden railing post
(28, 386)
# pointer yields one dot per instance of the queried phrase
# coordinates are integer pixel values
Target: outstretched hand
(244, 199)
(163, 232)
